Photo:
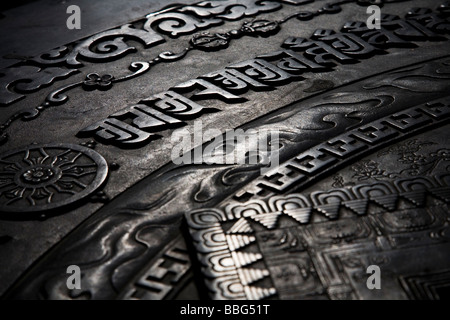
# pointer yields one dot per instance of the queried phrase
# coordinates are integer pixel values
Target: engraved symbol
(374, 281)
(210, 42)
(37, 175)
(74, 280)
(368, 169)
(49, 176)
(94, 81)
(74, 20)
(261, 27)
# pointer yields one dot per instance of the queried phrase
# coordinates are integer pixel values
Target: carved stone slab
(390, 210)
(87, 177)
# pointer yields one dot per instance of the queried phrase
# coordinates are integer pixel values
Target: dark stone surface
(129, 234)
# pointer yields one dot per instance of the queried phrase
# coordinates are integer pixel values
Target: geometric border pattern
(229, 271)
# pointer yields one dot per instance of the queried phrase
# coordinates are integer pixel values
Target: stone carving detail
(128, 220)
(27, 79)
(107, 45)
(55, 98)
(328, 203)
(45, 177)
(227, 259)
(237, 225)
(94, 81)
(202, 41)
(321, 52)
(122, 226)
(326, 155)
(158, 281)
(113, 44)
(326, 256)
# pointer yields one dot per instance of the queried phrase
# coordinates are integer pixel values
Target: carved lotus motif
(368, 169)
(37, 174)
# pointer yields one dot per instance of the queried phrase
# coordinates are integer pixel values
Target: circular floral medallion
(45, 177)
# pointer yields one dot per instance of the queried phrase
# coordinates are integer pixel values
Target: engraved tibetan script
(136, 124)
